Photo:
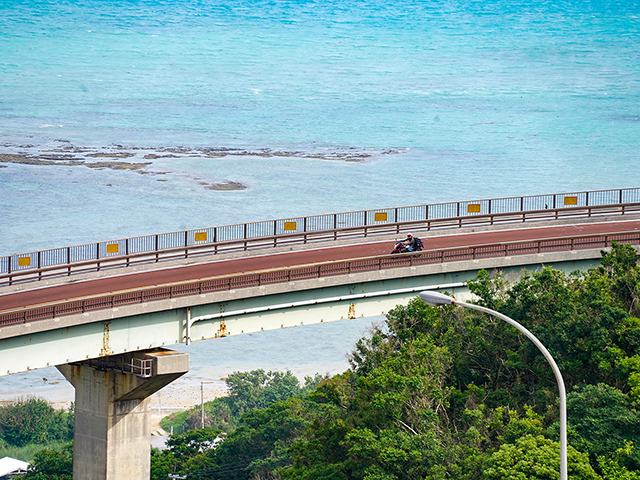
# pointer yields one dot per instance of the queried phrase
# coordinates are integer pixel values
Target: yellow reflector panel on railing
(24, 261)
(473, 208)
(570, 200)
(113, 248)
(288, 226)
(201, 236)
(380, 217)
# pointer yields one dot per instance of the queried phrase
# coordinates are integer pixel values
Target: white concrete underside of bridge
(160, 323)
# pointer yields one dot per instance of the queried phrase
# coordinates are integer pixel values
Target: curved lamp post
(438, 299)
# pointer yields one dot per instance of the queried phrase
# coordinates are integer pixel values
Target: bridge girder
(168, 322)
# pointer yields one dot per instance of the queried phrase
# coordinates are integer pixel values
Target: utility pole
(202, 403)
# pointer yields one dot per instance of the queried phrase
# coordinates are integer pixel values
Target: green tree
(34, 421)
(184, 451)
(385, 424)
(536, 458)
(612, 468)
(259, 446)
(162, 464)
(603, 420)
(247, 391)
(51, 464)
(621, 265)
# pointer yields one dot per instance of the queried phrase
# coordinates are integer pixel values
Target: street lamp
(438, 299)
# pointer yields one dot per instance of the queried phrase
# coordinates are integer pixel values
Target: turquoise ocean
(311, 106)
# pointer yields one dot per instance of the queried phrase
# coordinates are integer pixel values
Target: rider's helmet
(409, 235)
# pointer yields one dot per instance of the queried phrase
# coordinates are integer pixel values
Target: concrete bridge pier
(112, 426)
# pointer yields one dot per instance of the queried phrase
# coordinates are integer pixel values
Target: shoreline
(182, 394)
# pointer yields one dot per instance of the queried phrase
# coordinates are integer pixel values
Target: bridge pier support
(112, 427)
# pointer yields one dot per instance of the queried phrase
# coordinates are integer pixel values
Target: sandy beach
(50, 386)
(180, 395)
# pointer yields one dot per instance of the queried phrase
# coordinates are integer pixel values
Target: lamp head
(435, 298)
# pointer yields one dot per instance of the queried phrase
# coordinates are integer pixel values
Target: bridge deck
(124, 310)
(37, 293)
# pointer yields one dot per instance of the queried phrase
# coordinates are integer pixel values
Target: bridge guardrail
(148, 245)
(303, 272)
(36, 272)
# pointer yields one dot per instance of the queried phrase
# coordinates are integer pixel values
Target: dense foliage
(247, 391)
(453, 393)
(33, 420)
(51, 464)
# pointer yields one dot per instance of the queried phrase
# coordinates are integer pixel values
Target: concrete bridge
(107, 330)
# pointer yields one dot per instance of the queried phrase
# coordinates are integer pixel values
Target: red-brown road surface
(38, 296)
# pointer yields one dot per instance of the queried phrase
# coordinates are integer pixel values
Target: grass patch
(27, 452)
(176, 420)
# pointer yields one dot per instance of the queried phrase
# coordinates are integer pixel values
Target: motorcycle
(400, 247)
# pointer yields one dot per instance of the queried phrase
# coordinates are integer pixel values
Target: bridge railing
(213, 240)
(304, 272)
(27, 275)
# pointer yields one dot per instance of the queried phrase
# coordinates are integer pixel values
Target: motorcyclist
(410, 242)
